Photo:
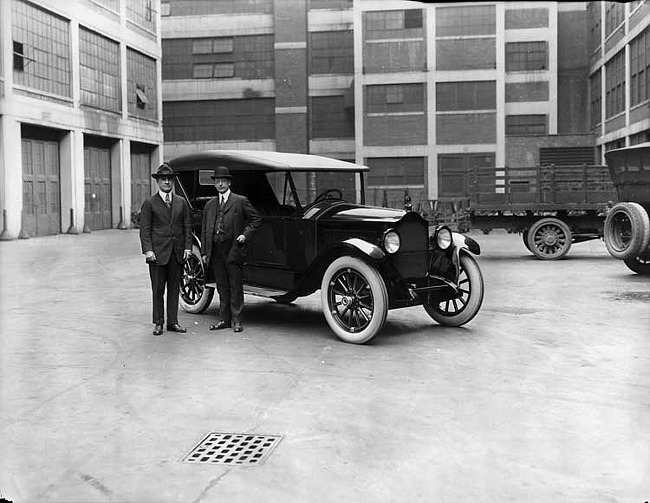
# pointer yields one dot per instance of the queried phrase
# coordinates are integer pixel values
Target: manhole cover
(233, 449)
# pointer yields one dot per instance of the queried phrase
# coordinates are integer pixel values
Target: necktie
(168, 200)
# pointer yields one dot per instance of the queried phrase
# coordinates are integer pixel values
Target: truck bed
(545, 188)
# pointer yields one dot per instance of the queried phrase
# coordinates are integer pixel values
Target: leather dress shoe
(157, 330)
(237, 326)
(220, 325)
(176, 328)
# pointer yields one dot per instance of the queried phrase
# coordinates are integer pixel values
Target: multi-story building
(619, 73)
(80, 113)
(420, 92)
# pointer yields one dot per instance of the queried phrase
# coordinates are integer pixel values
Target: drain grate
(233, 449)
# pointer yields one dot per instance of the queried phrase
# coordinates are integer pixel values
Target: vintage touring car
(365, 260)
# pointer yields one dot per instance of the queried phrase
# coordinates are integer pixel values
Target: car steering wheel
(326, 195)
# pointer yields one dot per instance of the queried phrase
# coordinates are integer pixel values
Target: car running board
(259, 291)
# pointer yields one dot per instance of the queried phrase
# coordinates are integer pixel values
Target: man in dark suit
(229, 222)
(166, 239)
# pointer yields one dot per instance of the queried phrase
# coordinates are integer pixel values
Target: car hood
(355, 213)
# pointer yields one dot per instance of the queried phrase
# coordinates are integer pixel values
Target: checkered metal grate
(233, 449)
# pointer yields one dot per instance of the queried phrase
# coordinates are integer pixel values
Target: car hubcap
(350, 300)
(192, 281)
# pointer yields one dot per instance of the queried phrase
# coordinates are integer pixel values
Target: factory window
(614, 14)
(41, 49)
(480, 95)
(246, 57)
(142, 13)
(615, 85)
(465, 20)
(332, 52)
(392, 171)
(595, 101)
(141, 85)
(640, 68)
(19, 57)
(212, 46)
(526, 56)
(526, 124)
(393, 24)
(395, 98)
(219, 120)
(99, 71)
(330, 118)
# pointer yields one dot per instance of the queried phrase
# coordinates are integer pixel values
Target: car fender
(463, 244)
(372, 251)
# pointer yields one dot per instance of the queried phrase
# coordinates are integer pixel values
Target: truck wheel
(195, 297)
(627, 230)
(354, 300)
(639, 264)
(457, 312)
(549, 239)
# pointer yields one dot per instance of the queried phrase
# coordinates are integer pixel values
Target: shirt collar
(225, 196)
(164, 194)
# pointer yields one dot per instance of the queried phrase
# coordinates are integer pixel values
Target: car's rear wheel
(354, 300)
(549, 239)
(627, 231)
(458, 311)
(195, 297)
(639, 264)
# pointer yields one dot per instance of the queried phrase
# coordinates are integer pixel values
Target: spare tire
(627, 230)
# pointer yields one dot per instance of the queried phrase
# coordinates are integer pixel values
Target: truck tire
(549, 238)
(626, 231)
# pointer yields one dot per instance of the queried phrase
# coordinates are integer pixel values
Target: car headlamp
(443, 238)
(391, 241)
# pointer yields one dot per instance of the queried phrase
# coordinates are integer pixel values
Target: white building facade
(80, 113)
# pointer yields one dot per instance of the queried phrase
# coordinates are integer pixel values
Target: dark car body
(627, 226)
(329, 242)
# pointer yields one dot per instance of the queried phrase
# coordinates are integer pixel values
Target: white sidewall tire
(379, 297)
(639, 230)
(207, 293)
(476, 291)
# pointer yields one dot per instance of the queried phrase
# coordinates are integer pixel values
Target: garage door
(41, 187)
(140, 176)
(97, 186)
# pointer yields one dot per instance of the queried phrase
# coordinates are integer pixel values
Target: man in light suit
(166, 239)
(229, 222)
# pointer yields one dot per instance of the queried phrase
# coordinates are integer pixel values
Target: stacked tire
(627, 236)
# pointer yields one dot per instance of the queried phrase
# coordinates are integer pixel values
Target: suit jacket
(163, 230)
(239, 217)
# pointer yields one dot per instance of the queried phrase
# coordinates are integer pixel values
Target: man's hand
(150, 256)
(204, 258)
(187, 254)
(241, 239)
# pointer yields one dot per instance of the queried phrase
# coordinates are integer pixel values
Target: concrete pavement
(544, 397)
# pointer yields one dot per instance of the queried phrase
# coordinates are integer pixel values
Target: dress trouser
(229, 277)
(169, 275)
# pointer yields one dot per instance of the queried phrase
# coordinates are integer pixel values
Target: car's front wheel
(354, 300)
(458, 311)
(195, 297)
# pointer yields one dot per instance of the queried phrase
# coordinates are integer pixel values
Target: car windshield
(310, 185)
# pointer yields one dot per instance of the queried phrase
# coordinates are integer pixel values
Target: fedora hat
(164, 170)
(221, 172)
